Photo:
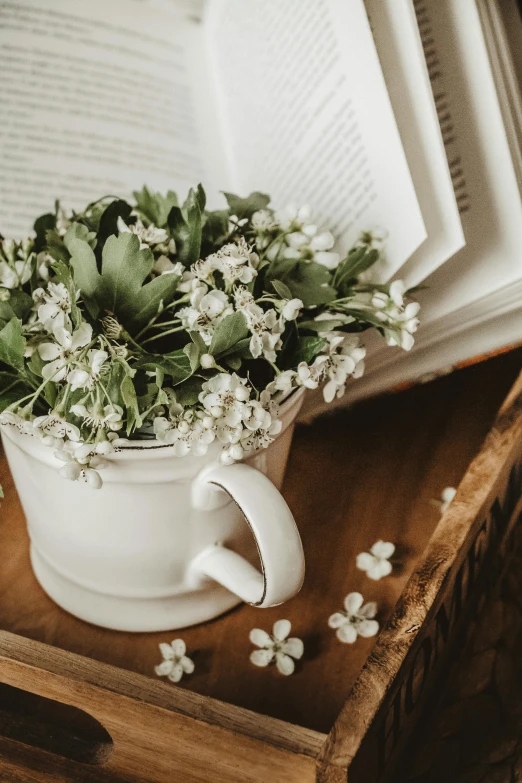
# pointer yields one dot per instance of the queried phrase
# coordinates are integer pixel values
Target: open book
(401, 114)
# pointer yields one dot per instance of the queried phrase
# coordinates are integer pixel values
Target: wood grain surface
(353, 478)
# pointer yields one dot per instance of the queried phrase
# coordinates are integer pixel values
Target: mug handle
(272, 525)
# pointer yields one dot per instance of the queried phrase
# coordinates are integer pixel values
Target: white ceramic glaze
(167, 542)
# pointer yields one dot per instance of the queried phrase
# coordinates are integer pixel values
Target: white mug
(167, 542)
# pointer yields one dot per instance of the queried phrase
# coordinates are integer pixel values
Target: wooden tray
(79, 704)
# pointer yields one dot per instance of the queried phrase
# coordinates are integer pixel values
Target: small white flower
(54, 306)
(291, 309)
(236, 262)
(356, 620)
(107, 418)
(346, 358)
(207, 361)
(374, 239)
(263, 220)
(86, 377)
(148, 235)
(277, 647)
(53, 428)
(60, 354)
(376, 562)
(445, 500)
(207, 310)
(8, 276)
(25, 426)
(175, 661)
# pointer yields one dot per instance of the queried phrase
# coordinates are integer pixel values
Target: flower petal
(55, 371)
(364, 561)
(81, 336)
(281, 629)
(347, 633)
(78, 379)
(337, 619)
(49, 351)
(187, 664)
(353, 602)
(164, 668)
(383, 549)
(179, 647)
(368, 628)
(260, 638)
(379, 570)
(284, 663)
(262, 657)
(293, 647)
(166, 651)
(369, 610)
(176, 673)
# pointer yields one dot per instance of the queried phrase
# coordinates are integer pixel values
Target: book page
(308, 118)
(401, 54)
(479, 155)
(97, 98)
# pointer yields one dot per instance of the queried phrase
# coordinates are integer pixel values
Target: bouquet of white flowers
(156, 320)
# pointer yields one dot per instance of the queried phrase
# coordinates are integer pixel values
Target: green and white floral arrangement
(189, 326)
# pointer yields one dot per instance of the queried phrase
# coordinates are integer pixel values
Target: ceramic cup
(167, 542)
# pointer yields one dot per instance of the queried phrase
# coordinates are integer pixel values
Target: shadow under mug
(167, 542)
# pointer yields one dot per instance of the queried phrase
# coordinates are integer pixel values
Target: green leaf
(109, 222)
(175, 364)
(12, 345)
(79, 231)
(195, 350)
(155, 206)
(41, 226)
(188, 392)
(230, 331)
(199, 196)
(86, 275)
(358, 261)
(124, 269)
(245, 207)
(307, 349)
(149, 299)
(186, 227)
(281, 289)
(128, 393)
(240, 349)
(234, 362)
(310, 282)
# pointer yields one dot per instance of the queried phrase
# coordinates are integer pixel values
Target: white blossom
(346, 358)
(85, 377)
(207, 310)
(109, 417)
(61, 353)
(82, 461)
(9, 417)
(263, 220)
(356, 620)
(54, 306)
(148, 235)
(175, 661)
(185, 431)
(376, 562)
(291, 309)
(53, 428)
(236, 262)
(399, 323)
(223, 397)
(276, 647)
